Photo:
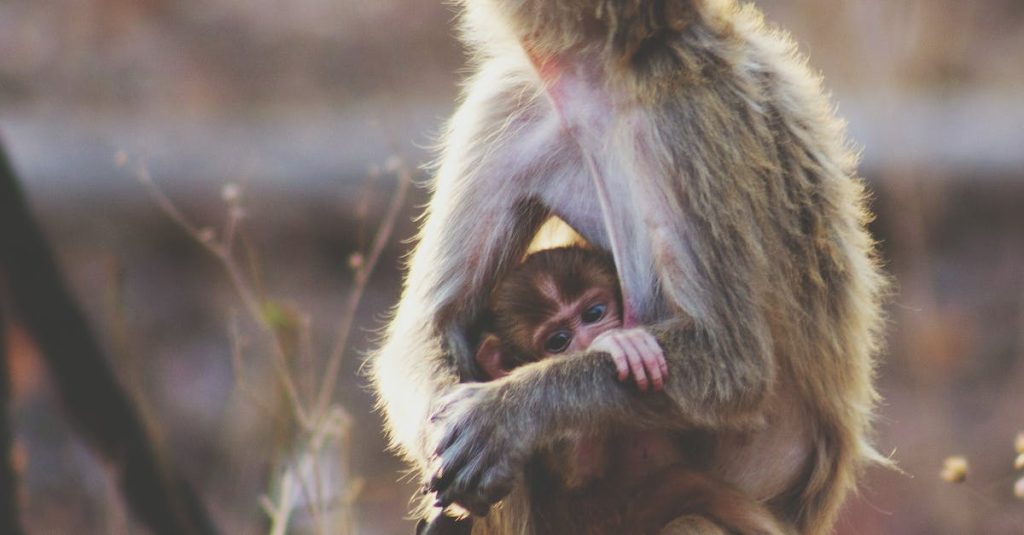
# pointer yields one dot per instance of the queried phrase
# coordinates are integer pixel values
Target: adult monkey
(689, 140)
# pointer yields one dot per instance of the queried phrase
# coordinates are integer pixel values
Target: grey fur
(740, 241)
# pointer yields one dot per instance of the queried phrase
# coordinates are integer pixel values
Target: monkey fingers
(651, 354)
(458, 451)
(607, 343)
(482, 482)
(653, 362)
(643, 353)
(636, 362)
(476, 457)
(456, 486)
(635, 352)
(474, 477)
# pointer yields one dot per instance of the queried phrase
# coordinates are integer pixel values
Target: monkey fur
(580, 471)
(518, 304)
(689, 139)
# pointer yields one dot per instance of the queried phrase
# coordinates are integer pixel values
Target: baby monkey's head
(557, 301)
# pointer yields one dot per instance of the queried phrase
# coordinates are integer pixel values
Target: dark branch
(97, 406)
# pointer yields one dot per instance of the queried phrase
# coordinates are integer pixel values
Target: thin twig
(307, 361)
(362, 277)
(237, 366)
(238, 281)
(327, 423)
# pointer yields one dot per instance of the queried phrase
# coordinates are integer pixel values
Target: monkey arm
(480, 219)
(492, 428)
(427, 349)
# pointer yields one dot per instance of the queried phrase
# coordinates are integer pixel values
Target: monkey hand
(635, 352)
(480, 450)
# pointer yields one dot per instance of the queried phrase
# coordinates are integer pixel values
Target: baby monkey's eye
(558, 342)
(594, 313)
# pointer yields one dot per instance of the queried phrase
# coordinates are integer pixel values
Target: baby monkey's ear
(490, 358)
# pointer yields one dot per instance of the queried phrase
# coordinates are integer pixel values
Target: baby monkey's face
(576, 322)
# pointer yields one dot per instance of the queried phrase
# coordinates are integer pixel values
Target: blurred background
(310, 110)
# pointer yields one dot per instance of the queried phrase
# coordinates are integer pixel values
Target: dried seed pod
(1018, 488)
(230, 192)
(1018, 444)
(207, 235)
(1018, 463)
(954, 469)
(355, 261)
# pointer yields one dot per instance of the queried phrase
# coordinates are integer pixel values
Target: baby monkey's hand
(635, 353)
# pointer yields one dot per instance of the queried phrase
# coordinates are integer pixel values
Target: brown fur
(520, 303)
(689, 139)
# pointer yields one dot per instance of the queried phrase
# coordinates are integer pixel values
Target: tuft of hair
(553, 27)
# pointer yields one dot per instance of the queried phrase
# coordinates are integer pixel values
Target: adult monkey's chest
(618, 225)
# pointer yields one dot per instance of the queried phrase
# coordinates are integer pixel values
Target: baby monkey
(562, 301)
(559, 302)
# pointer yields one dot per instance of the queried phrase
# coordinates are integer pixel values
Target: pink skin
(634, 351)
(567, 86)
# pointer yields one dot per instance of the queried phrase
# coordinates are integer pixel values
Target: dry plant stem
(320, 424)
(238, 368)
(223, 254)
(312, 489)
(307, 361)
(280, 513)
(323, 422)
(296, 479)
(230, 230)
(362, 277)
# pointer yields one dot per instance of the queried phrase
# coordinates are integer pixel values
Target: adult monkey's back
(690, 140)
